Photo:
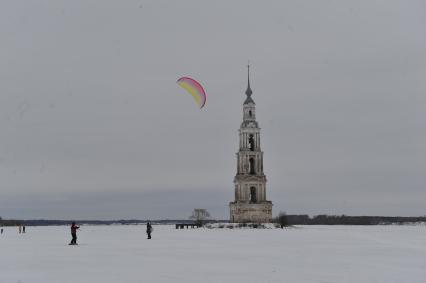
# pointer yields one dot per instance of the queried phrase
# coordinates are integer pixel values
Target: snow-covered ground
(303, 254)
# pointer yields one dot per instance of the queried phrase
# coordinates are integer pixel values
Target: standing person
(2, 230)
(23, 229)
(148, 229)
(74, 233)
(19, 229)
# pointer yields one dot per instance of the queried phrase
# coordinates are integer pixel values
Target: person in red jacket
(74, 233)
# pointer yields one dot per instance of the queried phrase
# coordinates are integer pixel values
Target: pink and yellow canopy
(195, 89)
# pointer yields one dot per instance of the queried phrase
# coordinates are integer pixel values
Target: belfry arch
(252, 166)
(253, 196)
(251, 142)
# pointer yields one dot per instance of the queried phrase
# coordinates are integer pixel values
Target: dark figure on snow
(23, 229)
(74, 233)
(148, 229)
(2, 230)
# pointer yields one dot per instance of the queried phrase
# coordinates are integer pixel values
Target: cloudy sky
(94, 126)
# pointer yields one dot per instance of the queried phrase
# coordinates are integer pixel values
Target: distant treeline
(9, 222)
(303, 219)
(350, 220)
(44, 222)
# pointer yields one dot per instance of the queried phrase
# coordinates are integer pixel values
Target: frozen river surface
(303, 254)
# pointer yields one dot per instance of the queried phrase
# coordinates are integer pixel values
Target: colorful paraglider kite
(195, 89)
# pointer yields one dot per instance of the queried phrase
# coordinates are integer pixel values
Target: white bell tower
(250, 203)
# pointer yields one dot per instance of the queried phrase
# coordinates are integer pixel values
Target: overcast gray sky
(94, 126)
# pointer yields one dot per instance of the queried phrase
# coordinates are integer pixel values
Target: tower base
(244, 212)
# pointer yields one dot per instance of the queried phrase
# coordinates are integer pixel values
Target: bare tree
(282, 219)
(200, 215)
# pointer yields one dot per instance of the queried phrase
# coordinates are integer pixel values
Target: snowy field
(303, 254)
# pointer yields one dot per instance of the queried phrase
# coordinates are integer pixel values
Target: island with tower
(250, 204)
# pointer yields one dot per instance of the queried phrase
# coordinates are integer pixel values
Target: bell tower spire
(249, 92)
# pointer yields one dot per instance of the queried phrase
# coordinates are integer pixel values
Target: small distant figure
(19, 229)
(1, 230)
(23, 229)
(149, 229)
(74, 228)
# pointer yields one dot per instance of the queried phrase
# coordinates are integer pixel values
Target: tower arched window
(251, 142)
(252, 170)
(253, 197)
(250, 113)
